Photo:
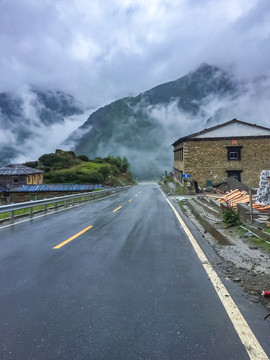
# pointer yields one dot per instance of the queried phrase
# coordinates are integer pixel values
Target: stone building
(14, 175)
(233, 149)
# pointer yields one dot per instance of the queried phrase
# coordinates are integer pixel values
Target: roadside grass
(260, 243)
(180, 190)
(254, 240)
(39, 208)
(181, 205)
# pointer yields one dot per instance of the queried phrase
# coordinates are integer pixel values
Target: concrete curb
(206, 208)
(222, 240)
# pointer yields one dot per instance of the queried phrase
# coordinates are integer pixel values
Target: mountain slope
(143, 127)
(26, 116)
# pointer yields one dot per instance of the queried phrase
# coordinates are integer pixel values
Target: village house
(233, 149)
(14, 175)
(19, 183)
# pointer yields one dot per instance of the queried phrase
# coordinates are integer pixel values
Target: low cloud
(100, 51)
(25, 134)
(47, 139)
(175, 123)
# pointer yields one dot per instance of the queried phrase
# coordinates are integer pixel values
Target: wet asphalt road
(131, 287)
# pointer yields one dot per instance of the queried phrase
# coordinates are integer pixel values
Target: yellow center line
(72, 238)
(117, 209)
(130, 200)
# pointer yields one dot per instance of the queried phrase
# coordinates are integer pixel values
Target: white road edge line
(248, 339)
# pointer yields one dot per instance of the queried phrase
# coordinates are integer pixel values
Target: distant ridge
(129, 126)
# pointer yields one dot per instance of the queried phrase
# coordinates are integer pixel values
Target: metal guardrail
(64, 200)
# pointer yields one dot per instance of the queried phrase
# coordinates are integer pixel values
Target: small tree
(230, 217)
(105, 170)
(125, 165)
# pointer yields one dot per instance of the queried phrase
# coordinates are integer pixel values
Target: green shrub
(99, 160)
(83, 158)
(31, 164)
(95, 178)
(45, 168)
(59, 160)
(230, 217)
(104, 170)
(124, 165)
(180, 190)
(48, 159)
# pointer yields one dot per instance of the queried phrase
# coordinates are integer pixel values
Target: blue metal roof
(3, 189)
(56, 187)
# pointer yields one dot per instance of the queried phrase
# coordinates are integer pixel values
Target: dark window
(234, 152)
(181, 154)
(234, 155)
(15, 180)
(178, 155)
(236, 174)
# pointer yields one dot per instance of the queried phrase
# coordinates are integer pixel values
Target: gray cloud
(102, 50)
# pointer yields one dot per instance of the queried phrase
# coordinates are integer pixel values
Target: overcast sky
(101, 50)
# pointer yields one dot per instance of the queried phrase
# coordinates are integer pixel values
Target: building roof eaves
(229, 138)
(185, 138)
(18, 169)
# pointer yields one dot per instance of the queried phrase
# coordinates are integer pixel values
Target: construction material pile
(229, 184)
(238, 197)
(263, 193)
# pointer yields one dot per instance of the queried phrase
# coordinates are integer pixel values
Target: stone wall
(208, 160)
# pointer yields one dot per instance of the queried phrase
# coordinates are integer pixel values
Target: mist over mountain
(36, 121)
(31, 119)
(143, 127)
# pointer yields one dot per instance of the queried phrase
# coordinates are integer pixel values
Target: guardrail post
(12, 215)
(55, 206)
(65, 203)
(45, 208)
(31, 212)
(72, 202)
